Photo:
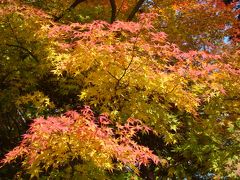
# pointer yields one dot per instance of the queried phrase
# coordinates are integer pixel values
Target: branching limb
(25, 49)
(131, 61)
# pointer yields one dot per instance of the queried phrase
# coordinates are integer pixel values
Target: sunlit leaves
(82, 139)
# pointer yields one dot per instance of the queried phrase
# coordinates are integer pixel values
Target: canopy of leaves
(75, 145)
(172, 65)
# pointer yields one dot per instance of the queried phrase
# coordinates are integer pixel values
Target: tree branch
(72, 6)
(119, 9)
(131, 61)
(114, 11)
(20, 46)
(25, 49)
(135, 10)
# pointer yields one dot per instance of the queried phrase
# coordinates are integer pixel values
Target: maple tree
(76, 145)
(163, 64)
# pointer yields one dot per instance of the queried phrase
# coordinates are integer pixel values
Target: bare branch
(114, 11)
(135, 9)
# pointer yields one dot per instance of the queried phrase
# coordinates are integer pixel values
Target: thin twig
(13, 32)
(131, 61)
(171, 90)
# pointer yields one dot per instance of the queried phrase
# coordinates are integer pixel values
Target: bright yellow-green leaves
(36, 101)
(130, 70)
(125, 69)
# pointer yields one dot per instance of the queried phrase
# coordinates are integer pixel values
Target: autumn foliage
(82, 143)
(146, 89)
